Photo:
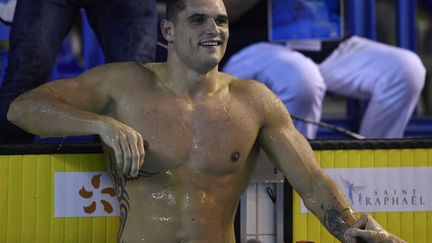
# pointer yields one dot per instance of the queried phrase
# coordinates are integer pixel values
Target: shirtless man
(184, 137)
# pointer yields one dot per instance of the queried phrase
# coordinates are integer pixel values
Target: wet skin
(200, 157)
(202, 130)
(202, 147)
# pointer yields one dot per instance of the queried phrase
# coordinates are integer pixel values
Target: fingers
(372, 224)
(137, 152)
(132, 146)
(361, 223)
(127, 154)
(348, 237)
(127, 145)
(367, 235)
(118, 152)
(142, 151)
(366, 228)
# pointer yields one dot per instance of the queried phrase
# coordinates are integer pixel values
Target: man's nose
(212, 27)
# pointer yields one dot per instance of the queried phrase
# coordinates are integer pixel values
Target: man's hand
(366, 228)
(126, 143)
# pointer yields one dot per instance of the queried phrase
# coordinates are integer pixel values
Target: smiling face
(199, 34)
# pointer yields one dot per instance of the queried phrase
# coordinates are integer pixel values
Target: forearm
(330, 206)
(49, 116)
(322, 196)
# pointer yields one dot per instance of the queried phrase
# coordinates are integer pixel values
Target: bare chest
(214, 135)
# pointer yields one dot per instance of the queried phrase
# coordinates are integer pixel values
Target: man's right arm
(78, 106)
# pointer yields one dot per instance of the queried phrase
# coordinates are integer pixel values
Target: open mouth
(210, 43)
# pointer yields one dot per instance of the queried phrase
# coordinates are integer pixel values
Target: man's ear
(167, 29)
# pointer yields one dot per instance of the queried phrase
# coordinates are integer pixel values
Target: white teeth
(210, 43)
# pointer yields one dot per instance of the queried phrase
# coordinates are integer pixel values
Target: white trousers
(391, 78)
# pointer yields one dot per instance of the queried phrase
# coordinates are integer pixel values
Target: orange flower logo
(95, 181)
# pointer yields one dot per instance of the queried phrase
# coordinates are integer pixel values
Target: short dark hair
(173, 7)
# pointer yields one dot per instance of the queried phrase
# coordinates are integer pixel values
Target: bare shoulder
(115, 79)
(257, 97)
(264, 101)
(116, 73)
(251, 89)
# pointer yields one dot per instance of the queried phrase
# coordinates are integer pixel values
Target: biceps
(291, 153)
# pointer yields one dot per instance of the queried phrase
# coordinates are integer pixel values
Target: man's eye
(221, 22)
(198, 20)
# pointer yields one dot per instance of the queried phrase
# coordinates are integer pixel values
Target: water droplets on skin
(192, 107)
(272, 138)
(288, 132)
(158, 195)
(204, 198)
(224, 106)
(194, 139)
(226, 110)
(214, 105)
(195, 144)
(187, 200)
(272, 103)
(179, 115)
(156, 138)
(171, 199)
(162, 219)
(166, 194)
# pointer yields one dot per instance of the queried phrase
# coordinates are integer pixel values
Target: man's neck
(184, 81)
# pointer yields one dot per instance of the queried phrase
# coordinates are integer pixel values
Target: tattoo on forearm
(334, 221)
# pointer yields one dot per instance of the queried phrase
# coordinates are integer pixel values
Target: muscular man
(183, 138)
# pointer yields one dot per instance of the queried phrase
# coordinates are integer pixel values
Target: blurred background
(404, 23)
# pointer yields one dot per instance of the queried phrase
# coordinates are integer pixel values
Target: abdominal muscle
(199, 208)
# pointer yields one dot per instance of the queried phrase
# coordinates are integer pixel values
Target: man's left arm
(291, 153)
